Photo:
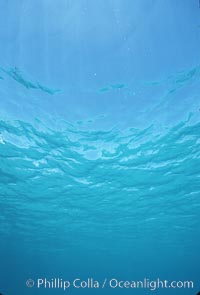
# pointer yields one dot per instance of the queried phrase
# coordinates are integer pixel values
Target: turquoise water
(100, 174)
(80, 201)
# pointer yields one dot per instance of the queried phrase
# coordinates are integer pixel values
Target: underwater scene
(99, 147)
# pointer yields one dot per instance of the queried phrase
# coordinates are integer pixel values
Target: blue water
(99, 144)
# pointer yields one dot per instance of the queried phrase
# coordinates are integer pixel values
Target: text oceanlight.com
(113, 283)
